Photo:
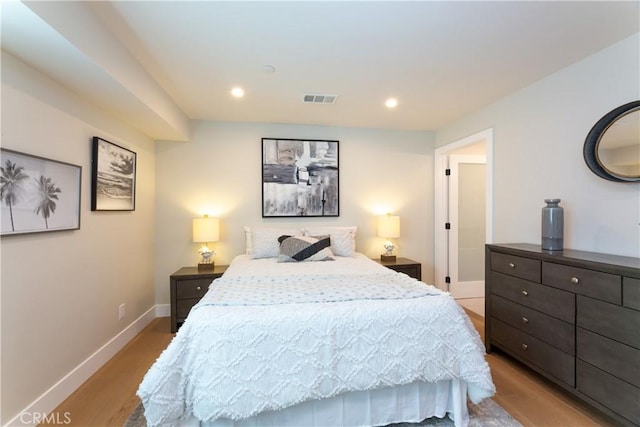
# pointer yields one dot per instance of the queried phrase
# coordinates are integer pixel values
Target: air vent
(319, 98)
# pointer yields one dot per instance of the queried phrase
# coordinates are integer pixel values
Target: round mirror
(612, 147)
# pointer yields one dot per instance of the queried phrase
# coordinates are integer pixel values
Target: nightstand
(188, 285)
(404, 265)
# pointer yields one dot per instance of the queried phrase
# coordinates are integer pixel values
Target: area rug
(486, 414)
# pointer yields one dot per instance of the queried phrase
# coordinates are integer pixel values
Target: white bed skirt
(408, 403)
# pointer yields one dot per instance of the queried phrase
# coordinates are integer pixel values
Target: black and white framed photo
(113, 178)
(38, 194)
(300, 178)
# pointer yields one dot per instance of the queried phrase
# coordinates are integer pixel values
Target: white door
(450, 246)
(467, 222)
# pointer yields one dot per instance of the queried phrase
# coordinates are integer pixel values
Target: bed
(340, 340)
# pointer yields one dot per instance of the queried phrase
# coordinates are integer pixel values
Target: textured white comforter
(236, 356)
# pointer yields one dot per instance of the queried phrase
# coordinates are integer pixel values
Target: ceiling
(158, 65)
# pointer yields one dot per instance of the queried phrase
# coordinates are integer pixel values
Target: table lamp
(388, 228)
(206, 230)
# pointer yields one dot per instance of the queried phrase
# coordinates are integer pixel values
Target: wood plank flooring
(108, 397)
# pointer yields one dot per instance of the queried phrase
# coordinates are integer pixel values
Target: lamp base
(208, 266)
(387, 258)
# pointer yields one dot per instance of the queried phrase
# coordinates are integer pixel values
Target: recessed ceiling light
(391, 103)
(269, 69)
(237, 92)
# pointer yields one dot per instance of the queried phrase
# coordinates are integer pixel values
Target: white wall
(539, 134)
(61, 290)
(219, 172)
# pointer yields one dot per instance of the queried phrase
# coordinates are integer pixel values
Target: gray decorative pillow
(305, 248)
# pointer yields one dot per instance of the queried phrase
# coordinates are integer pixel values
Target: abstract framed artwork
(300, 178)
(113, 178)
(38, 194)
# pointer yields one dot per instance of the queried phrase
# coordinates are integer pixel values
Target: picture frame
(38, 194)
(113, 177)
(300, 178)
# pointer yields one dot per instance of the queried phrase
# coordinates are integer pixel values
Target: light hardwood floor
(108, 397)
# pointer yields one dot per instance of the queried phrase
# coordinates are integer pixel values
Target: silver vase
(552, 226)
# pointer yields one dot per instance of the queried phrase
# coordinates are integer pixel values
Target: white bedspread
(234, 357)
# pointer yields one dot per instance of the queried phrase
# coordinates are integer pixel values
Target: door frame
(441, 199)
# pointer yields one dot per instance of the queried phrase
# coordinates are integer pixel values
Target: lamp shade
(206, 229)
(389, 226)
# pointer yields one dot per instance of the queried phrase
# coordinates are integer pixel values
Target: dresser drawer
(595, 284)
(610, 356)
(546, 328)
(192, 288)
(616, 322)
(516, 266)
(631, 293)
(617, 395)
(545, 357)
(551, 301)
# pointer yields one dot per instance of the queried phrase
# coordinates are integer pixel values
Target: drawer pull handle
(575, 280)
(525, 320)
(198, 288)
(524, 346)
(512, 265)
(525, 293)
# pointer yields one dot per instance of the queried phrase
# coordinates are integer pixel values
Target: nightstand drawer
(551, 301)
(192, 288)
(595, 284)
(184, 306)
(409, 271)
(547, 358)
(516, 266)
(404, 265)
(546, 328)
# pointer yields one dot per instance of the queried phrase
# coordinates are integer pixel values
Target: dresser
(187, 286)
(572, 316)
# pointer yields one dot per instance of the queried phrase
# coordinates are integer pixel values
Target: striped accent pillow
(305, 248)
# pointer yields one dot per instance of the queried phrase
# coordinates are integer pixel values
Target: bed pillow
(262, 242)
(305, 248)
(343, 239)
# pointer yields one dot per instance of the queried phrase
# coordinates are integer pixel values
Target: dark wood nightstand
(404, 265)
(188, 285)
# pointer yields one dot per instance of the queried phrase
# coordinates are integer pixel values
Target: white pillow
(343, 239)
(247, 240)
(262, 242)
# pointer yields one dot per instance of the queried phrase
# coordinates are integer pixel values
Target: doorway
(463, 216)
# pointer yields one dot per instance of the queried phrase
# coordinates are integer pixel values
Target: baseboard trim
(50, 399)
(163, 310)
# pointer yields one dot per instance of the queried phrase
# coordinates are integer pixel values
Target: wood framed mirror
(612, 147)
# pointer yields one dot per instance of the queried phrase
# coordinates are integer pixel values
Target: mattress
(277, 339)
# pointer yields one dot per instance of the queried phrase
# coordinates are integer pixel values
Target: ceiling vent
(319, 98)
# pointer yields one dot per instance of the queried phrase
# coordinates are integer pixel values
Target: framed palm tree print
(113, 178)
(38, 194)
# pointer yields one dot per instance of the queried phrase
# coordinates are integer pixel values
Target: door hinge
(447, 226)
(447, 279)
(447, 172)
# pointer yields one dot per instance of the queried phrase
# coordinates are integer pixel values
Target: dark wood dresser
(572, 316)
